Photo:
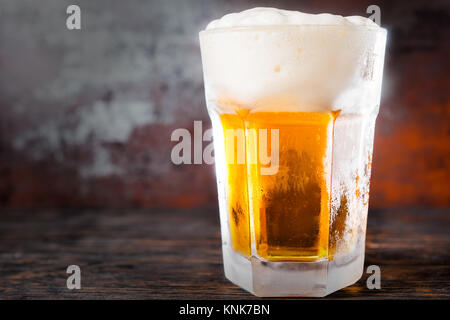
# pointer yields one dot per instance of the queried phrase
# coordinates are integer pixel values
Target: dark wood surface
(176, 254)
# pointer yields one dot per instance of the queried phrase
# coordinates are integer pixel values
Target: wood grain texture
(175, 254)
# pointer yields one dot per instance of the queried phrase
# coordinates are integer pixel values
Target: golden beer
(291, 207)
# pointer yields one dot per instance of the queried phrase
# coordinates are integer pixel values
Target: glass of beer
(293, 109)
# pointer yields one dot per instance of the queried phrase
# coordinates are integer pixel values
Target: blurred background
(86, 115)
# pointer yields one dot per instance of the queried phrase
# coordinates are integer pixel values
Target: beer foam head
(273, 17)
(277, 60)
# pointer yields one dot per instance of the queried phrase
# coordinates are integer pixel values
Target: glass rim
(291, 26)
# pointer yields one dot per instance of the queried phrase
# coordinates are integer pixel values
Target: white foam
(292, 61)
(273, 16)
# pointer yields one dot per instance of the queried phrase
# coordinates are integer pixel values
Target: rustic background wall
(86, 116)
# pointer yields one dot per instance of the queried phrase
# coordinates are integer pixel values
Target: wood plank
(175, 254)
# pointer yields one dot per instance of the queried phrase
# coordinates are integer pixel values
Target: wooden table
(176, 254)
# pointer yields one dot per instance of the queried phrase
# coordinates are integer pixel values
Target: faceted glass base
(302, 279)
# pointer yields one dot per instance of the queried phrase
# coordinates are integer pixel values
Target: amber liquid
(290, 209)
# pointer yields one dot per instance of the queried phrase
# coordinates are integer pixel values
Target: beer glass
(293, 112)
